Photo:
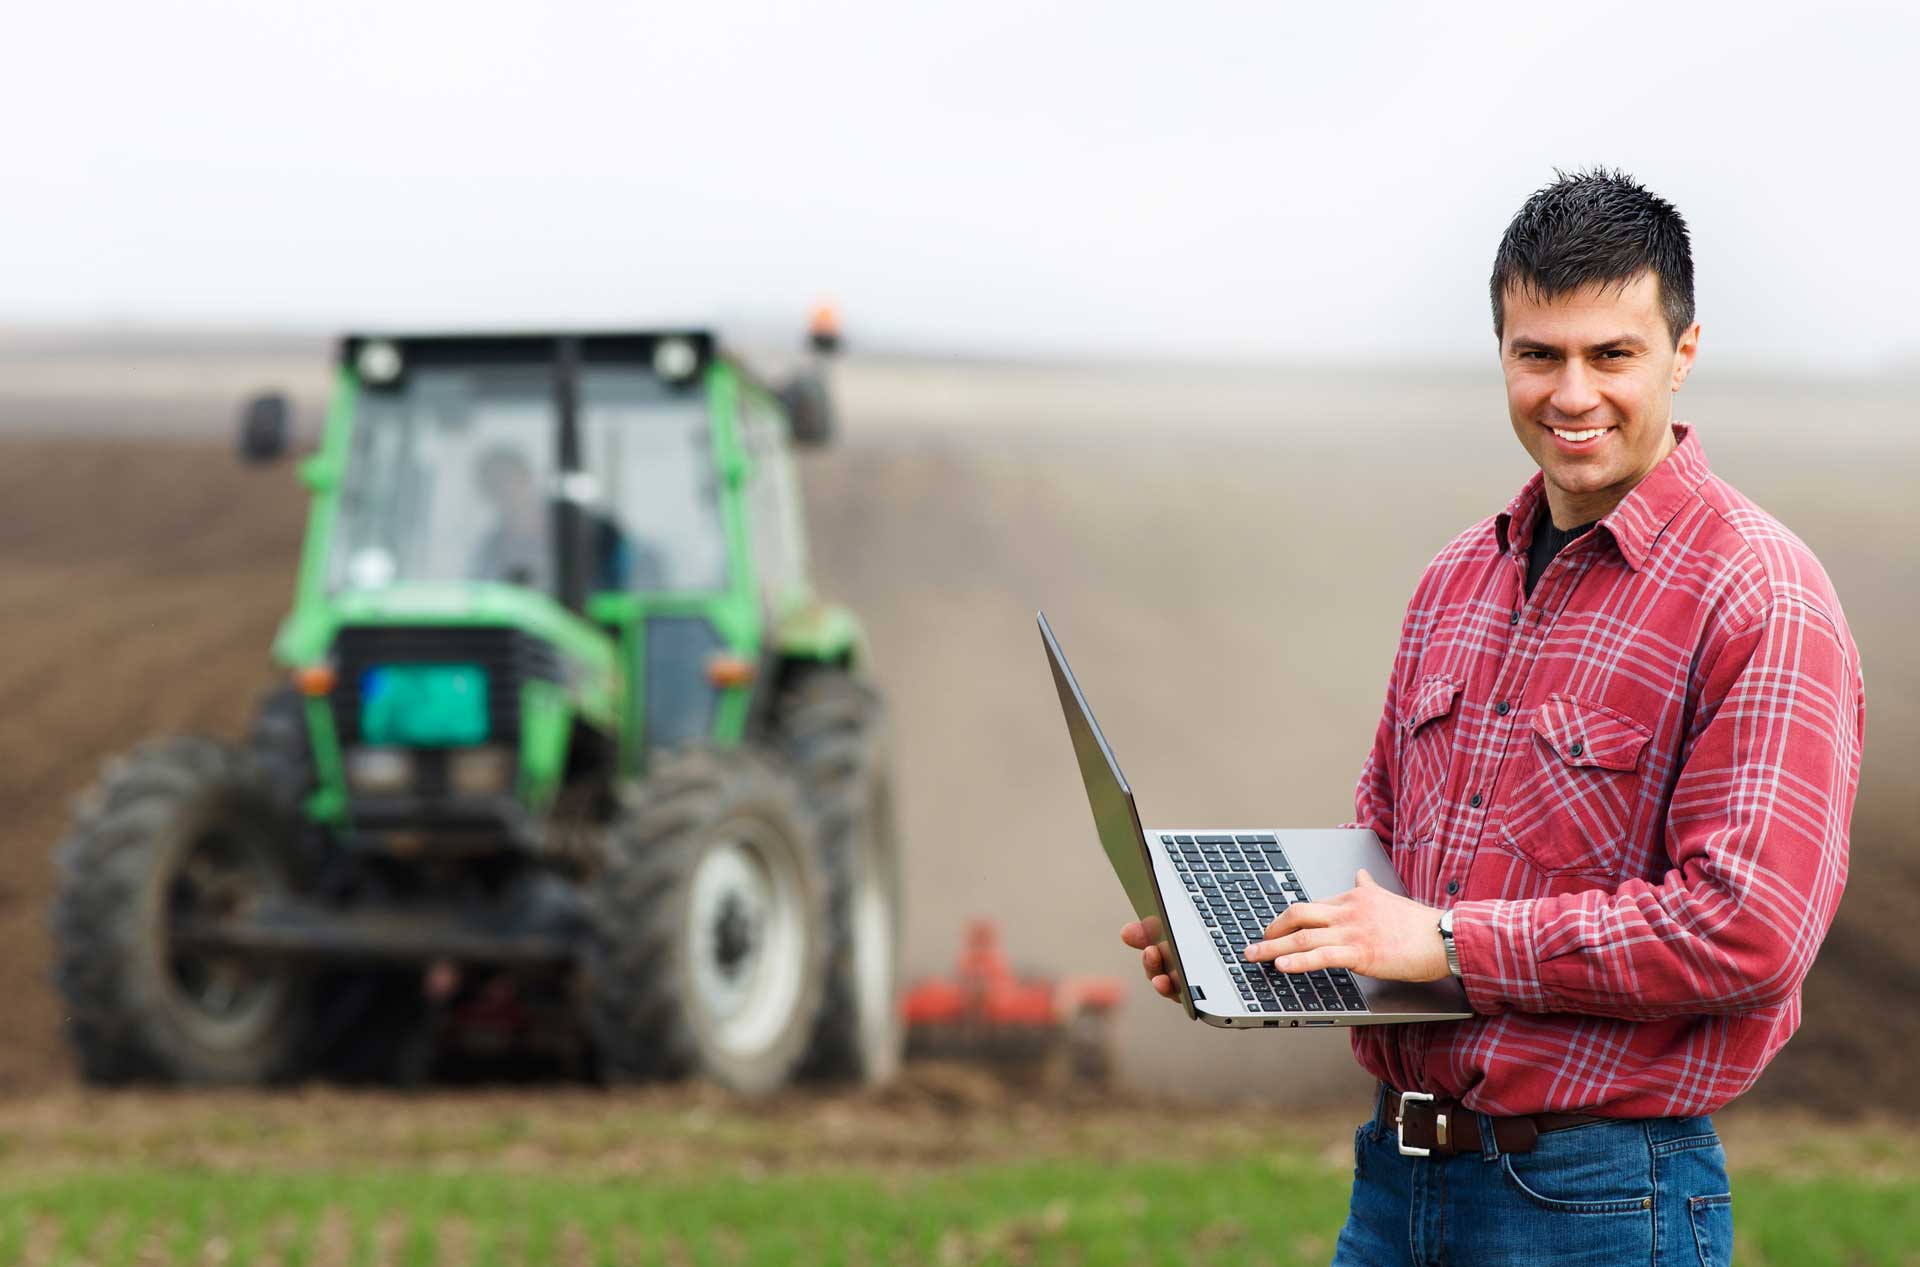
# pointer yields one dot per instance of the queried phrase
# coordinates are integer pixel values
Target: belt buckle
(1400, 1125)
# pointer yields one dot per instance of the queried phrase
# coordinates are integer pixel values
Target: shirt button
(1577, 748)
(1474, 800)
(1514, 618)
(1453, 886)
(1501, 708)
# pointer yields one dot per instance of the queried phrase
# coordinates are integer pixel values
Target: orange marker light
(315, 680)
(726, 671)
(823, 332)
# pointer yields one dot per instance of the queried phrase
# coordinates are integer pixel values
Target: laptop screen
(1114, 815)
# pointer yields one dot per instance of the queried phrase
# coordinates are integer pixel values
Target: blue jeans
(1651, 1191)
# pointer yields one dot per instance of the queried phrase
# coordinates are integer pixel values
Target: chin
(1577, 479)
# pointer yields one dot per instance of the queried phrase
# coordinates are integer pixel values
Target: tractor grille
(508, 657)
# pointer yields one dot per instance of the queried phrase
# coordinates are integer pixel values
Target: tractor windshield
(453, 476)
(650, 449)
(448, 479)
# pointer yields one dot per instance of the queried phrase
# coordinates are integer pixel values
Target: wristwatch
(1446, 939)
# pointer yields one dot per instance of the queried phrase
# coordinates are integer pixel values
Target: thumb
(1362, 880)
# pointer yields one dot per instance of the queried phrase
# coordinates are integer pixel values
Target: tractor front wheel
(707, 948)
(183, 831)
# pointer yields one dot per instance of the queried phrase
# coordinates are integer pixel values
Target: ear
(1684, 353)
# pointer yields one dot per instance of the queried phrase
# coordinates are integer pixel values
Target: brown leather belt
(1426, 1124)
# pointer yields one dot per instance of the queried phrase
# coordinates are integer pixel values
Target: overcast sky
(1289, 182)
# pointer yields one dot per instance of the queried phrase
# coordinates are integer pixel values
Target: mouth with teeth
(1576, 441)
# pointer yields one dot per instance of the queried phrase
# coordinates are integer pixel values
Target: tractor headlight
(480, 771)
(379, 363)
(379, 770)
(675, 360)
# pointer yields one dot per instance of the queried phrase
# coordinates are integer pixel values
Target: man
(518, 549)
(1615, 770)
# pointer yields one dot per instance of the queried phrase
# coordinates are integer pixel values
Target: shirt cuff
(1495, 942)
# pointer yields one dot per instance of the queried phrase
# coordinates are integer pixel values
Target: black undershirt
(1547, 542)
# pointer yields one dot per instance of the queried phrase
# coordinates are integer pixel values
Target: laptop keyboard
(1239, 885)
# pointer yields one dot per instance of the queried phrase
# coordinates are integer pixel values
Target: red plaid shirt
(1635, 785)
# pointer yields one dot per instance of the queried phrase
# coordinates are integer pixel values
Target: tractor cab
(567, 467)
(566, 549)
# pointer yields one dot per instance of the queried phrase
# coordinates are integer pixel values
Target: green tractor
(570, 764)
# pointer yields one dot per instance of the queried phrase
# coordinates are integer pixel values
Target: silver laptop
(1210, 891)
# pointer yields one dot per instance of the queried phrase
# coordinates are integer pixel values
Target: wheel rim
(224, 1001)
(748, 939)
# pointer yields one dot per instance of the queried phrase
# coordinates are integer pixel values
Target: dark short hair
(1595, 227)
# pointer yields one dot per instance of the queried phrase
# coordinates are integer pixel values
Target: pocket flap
(1430, 697)
(1590, 734)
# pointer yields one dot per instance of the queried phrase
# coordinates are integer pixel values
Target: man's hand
(1143, 939)
(1367, 929)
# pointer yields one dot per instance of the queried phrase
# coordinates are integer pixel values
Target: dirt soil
(1231, 606)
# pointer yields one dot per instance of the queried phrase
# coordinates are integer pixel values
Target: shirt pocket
(1426, 750)
(1572, 813)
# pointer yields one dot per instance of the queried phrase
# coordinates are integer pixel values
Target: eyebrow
(1623, 342)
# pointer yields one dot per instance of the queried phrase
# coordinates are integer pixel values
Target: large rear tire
(834, 727)
(707, 942)
(180, 830)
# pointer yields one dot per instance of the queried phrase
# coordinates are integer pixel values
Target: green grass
(1076, 1210)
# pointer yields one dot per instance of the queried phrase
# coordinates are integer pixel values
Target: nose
(1574, 391)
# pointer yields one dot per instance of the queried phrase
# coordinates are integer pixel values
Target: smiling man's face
(1590, 383)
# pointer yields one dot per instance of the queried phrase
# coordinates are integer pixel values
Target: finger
(1164, 985)
(1135, 935)
(1362, 880)
(1301, 915)
(1150, 960)
(1293, 943)
(1323, 957)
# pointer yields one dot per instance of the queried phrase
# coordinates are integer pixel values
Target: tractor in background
(568, 755)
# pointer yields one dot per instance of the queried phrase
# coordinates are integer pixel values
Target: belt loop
(1489, 1146)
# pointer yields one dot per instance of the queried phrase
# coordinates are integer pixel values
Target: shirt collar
(1642, 515)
